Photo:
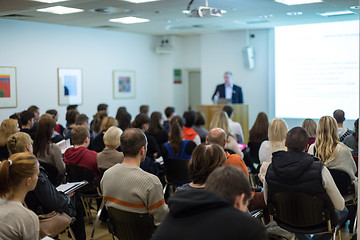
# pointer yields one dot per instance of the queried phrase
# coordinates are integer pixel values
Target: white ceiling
(166, 17)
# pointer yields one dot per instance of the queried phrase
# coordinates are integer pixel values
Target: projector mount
(203, 11)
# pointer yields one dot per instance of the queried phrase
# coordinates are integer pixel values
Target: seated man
(218, 212)
(127, 187)
(79, 154)
(27, 120)
(339, 115)
(296, 170)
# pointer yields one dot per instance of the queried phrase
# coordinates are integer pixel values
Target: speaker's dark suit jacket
(237, 96)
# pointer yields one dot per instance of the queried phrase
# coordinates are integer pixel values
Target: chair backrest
(52, 172)
(177, 170)
(131, 226)
(302, 213)
(77, 173)
(343, 182)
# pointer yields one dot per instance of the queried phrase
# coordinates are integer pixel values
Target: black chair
(130, 226)
(176, 172)
(52, 173)
(302, 213)
(88, 192)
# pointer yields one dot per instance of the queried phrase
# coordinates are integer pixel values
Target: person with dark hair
(71, 107)
(95, 125)
(235, 127)
(70, 122)
(98, 144)
(59, 128)
(352, 140)
(127, 187)
(144, 109)
(35, 110)
(200, 121)
(297, 171)
(169, 113)
(27, 120)
(123, 118)
(188, 132)
(228, 90)
(102, 107)
(205, 158)
(18, 176)
(44, 149)
(82, 119)
(156, 130)
(218, 212)
(339, 116)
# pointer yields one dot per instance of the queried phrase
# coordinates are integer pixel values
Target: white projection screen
(317, 70)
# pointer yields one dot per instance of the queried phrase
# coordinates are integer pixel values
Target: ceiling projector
(205, 12)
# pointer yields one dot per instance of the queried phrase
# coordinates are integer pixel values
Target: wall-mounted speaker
(249, 57)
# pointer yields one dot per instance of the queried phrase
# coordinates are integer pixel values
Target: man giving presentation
(228, 90)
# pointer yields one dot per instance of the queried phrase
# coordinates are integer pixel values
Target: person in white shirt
(235, 127)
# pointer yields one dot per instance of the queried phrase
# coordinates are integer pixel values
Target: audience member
(156, 130)
(71, 107)
(127, 187)
(110, 156)
(18, 176)
(79, 154)
(205, 159)
(102, 107)
(123, 118)
(27, 120)
(202, 132)
(257, 135)
(82, 119)
(169, 113)
(188, 132)
(98, 143)
(59, 128)
(16, 116)
(297, 171)
(96, 123)
(220, 212)
(235, 127)
(220, 120)
(34, 109)
(343, 132)
(44, 149)
(7, 128)
(55, 137)
(352, 140)
(310, 126)
(330, 151)
(144, 109)
(70, 122)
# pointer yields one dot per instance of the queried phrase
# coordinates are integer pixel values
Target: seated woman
(44, 149)
(98, 144)
(200, 121)
(156, 130)
(310, 126)
(18, 176)
(205, 159)
(8, 127)
(45, 198)
(257, 135)
(110, 156)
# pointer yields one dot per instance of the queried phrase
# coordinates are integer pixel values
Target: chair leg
(97, 219)
(355, 225)
(86, 209)
(71, 233)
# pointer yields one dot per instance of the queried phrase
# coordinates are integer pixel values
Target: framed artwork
(8, 94)
(123, 84)
(69, 86)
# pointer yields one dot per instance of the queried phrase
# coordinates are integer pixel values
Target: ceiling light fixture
(297, 2)
(129, 20)
(294, 13)
(50, 1)
(140, 1)
(203, 11)
(60, 10)
(336, 13)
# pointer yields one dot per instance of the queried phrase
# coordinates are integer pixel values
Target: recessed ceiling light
(297, 2)
(50, 1)
(354, 7)
(60, 10)
(140, 1)
(129, 20)
(294, 13)
(336, 13)
(266, 16)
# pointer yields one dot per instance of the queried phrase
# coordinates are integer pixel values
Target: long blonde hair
(277, 134)
(221, 120)
(326, 138)
(7, 128)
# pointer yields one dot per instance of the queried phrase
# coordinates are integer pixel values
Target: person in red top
(188, 132)
(79, 154)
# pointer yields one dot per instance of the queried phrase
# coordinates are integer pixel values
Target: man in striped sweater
(127, 187)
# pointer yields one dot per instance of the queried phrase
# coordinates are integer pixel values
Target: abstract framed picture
(8, 93)
(123, 84)
(69, 86)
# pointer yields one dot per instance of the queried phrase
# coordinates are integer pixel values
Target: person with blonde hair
(221, 120)
(8, 127)
(328, 148)
(110, 156)
(18, 176)
(310, 126)
(98, 144)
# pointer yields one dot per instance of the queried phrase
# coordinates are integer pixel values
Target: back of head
(119, 112)
(99, 116)
(18, 142)
(190, 118)
(53, 112)
(44, 131)
(81, 119)
(169, 111)
(205, 158)
(221, 120)
(15, 170)
(108, 122)
(33, 108)
(297, 139)
(310, 126)
(155, 126)
(221, 181)
(139, 120)
(124, 119)
(8, 127)
(277, 130)
(112, 137)
(132, 140)
(144, 109)
(200, 120)
(259, 131)
(71, 107)
(216, 136)
(26, 116)
(327, 138)
(339, 115)
(229, 110)
(71, 116)
(175, 134)
(102, 107)
(79, 134)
